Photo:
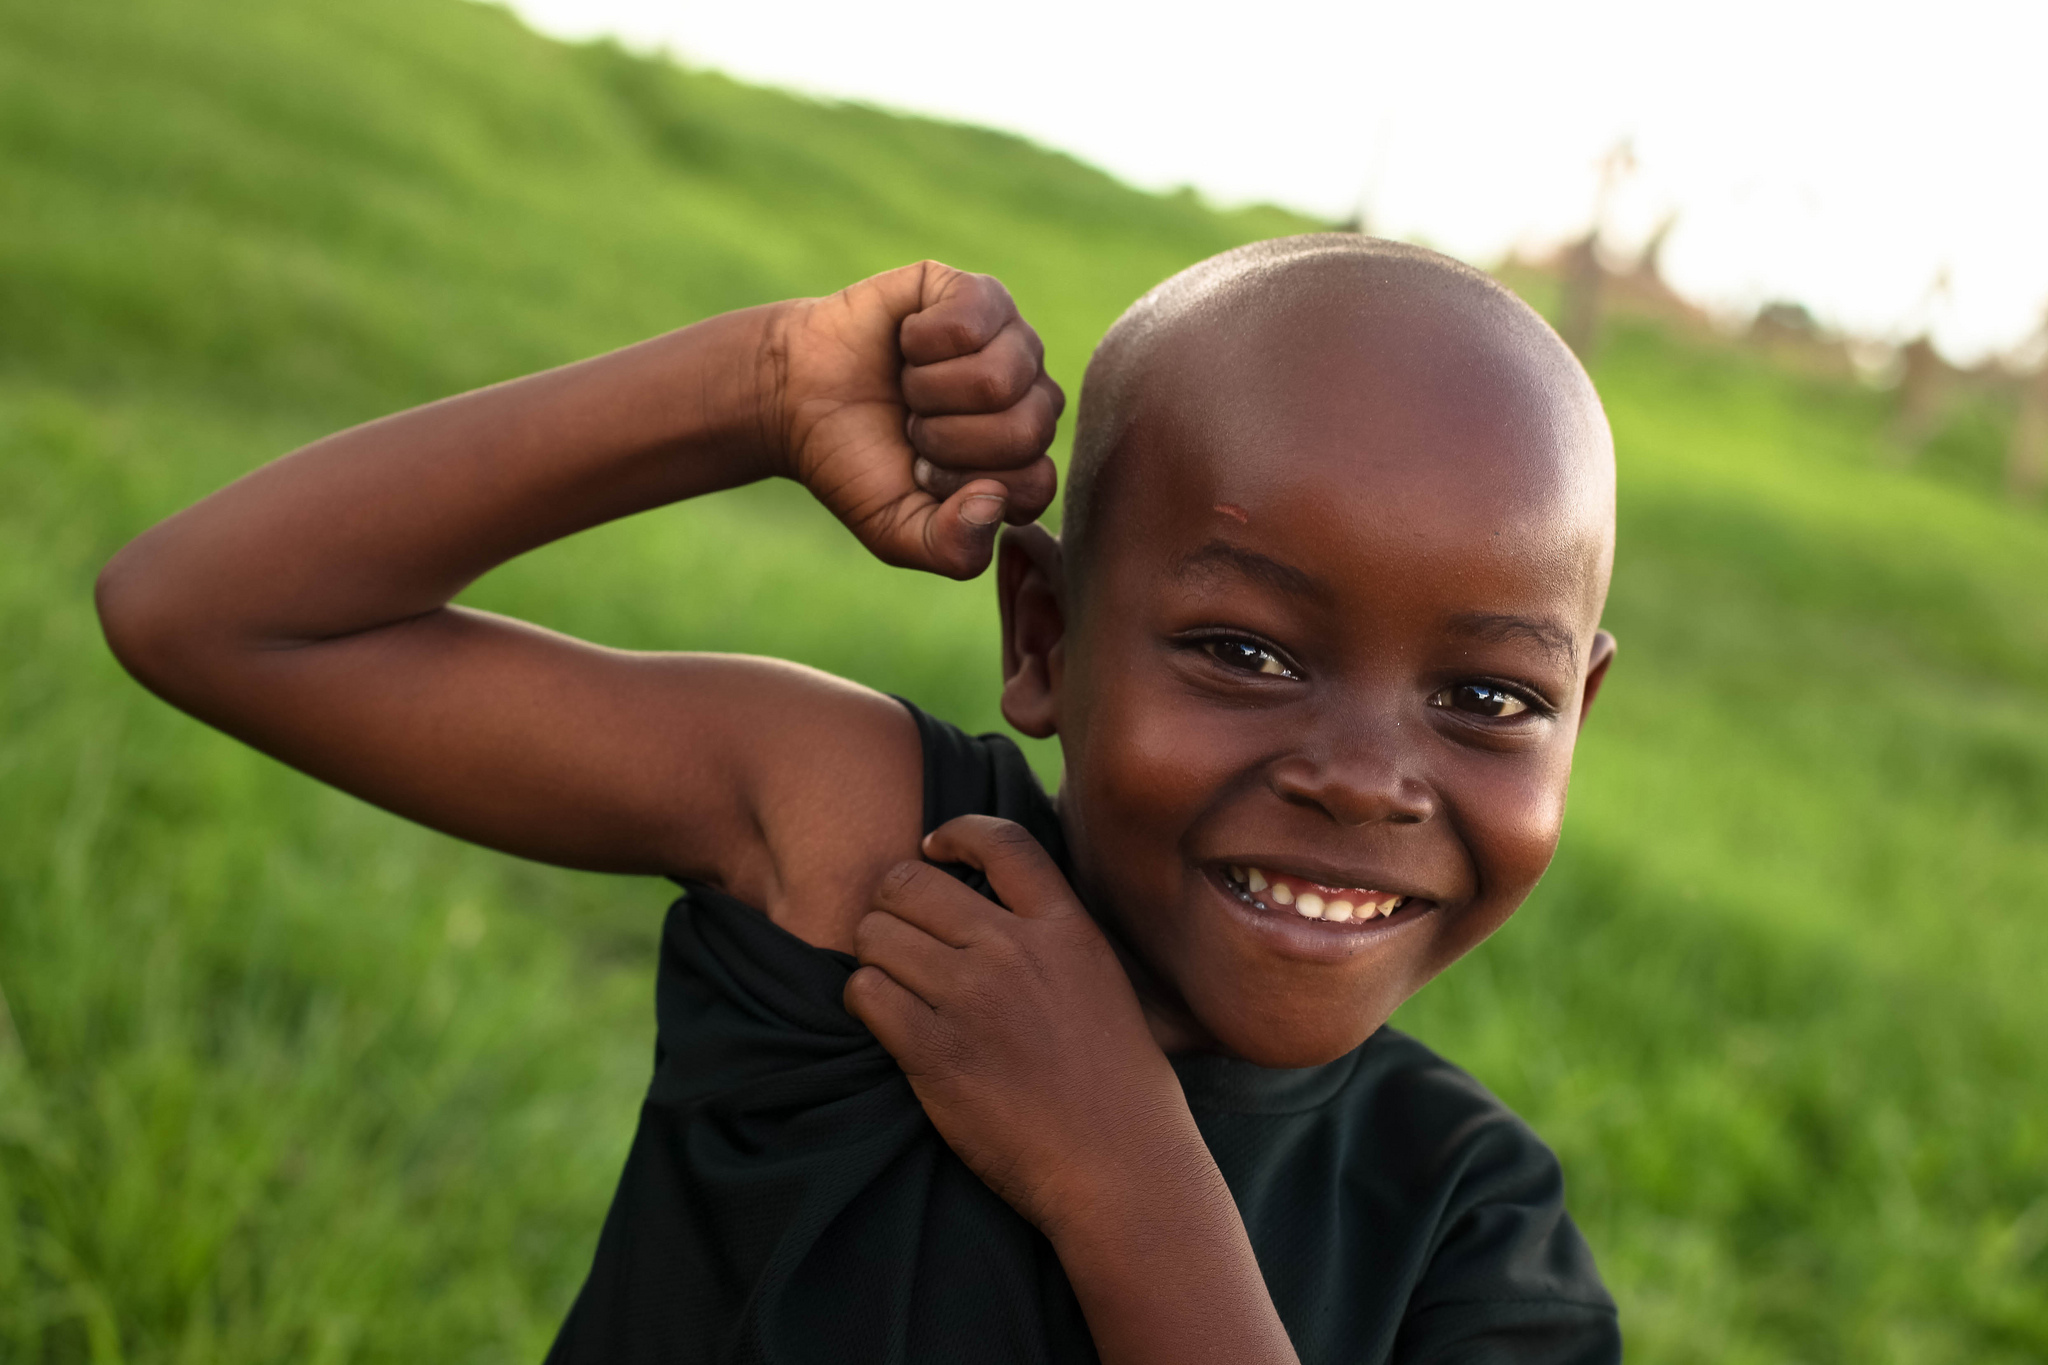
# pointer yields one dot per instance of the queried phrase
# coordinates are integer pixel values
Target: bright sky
(1848, 156)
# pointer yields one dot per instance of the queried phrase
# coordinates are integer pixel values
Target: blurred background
(282, 1078)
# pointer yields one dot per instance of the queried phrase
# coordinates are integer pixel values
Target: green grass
(282, 1078)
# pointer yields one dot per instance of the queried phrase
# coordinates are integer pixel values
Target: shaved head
(1339, 526)
(1396, 337)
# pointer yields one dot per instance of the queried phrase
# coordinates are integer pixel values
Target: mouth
(1271, 889)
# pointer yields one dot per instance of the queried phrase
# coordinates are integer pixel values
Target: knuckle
(868, 931)
(1026, 431)
(989, 387)
(900, 882)
(1045, 423)
(1008, 955)
(990, 288)
(1009, 835)
(936, 439)
(863, 990)
(1020, 376)
(1044, 481)
(957, 333)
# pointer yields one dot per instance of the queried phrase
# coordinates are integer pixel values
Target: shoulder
(1504, 1259)
(1450, 1135)
(987, 774)
(840, 782)
(828, 777)
(1450, 1125)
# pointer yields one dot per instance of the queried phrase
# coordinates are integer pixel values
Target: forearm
(391, 519)
(1164, 1270)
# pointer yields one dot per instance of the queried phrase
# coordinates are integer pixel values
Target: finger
(908, 954)
(1018, 868)
(1009, 439)
(935, 904)
(960, 314)
(1030, 489)
(954, 536)
(893, 1013)
(988, 380)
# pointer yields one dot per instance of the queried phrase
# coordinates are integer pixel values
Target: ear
(1031, 589)
(1596, 671)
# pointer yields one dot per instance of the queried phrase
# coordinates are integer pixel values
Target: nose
(1359, 777)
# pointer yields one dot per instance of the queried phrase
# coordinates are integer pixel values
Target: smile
(1264, 888)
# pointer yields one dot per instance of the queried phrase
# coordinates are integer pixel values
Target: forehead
(1441, 442)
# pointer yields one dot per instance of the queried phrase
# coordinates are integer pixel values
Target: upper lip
(1326, 874)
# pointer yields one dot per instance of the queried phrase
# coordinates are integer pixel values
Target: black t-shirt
(786, 1199)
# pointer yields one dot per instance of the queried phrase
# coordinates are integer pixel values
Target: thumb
(955, 537)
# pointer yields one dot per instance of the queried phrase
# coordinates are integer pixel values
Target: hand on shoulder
(1018, 1026)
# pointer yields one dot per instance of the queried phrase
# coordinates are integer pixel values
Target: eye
(1482, 699)
(1247, 656)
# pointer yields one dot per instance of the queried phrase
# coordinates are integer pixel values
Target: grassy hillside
(283, 1078)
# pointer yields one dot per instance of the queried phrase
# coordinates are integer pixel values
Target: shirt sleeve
(1511, 1281)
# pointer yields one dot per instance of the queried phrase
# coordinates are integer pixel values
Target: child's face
(1339, 626)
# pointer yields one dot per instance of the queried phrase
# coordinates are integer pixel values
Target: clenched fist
(915, 405)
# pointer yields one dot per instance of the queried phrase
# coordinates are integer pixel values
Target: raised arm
(304, 608)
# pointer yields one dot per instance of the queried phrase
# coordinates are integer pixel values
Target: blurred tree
(1925, 379)
(1924, 383)
(1584, 276)
(1579, 317)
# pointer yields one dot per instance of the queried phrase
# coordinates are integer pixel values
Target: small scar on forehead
(1233, 511)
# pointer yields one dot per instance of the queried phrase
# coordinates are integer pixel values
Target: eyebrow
(1555, 638)
(1221, 554)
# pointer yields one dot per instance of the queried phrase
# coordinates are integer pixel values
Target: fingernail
(983, 509)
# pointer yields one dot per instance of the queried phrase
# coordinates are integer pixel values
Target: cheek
(1145, 762)
(1141, 770)
(1511, 821)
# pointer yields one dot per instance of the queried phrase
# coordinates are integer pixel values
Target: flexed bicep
(540, 745)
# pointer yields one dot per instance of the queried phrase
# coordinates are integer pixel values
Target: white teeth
(1247, 881)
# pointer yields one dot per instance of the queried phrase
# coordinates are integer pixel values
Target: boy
(1317, 642)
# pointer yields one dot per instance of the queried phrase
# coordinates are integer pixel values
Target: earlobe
(1604, 648)
(1031, 592)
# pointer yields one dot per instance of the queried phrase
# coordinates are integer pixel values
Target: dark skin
(305, 610)
(1326, 537)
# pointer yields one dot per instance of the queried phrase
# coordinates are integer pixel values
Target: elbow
(137, 615)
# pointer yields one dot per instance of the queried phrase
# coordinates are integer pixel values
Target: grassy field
(282, 1078)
